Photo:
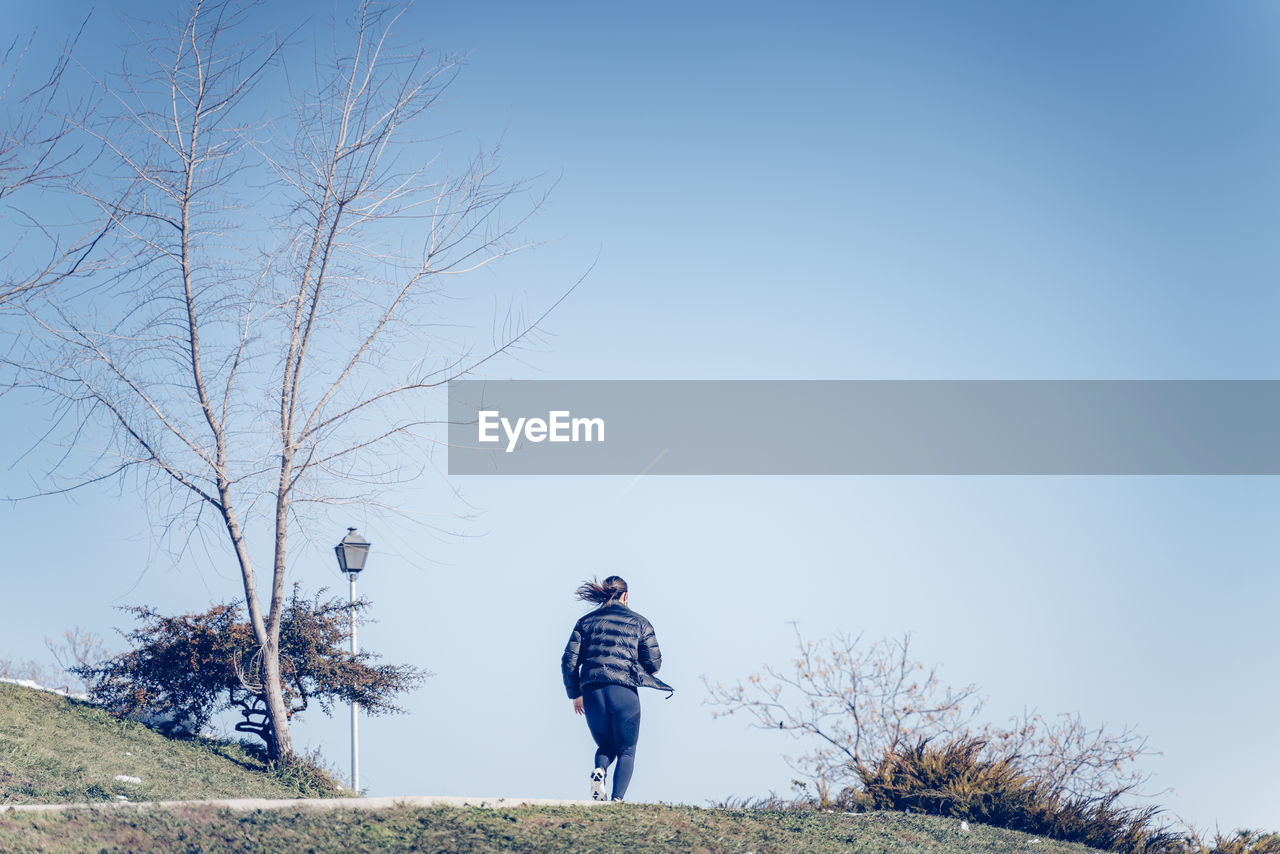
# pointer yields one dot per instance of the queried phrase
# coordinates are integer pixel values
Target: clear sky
(915, 190)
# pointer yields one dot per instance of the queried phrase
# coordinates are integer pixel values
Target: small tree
(264, 336)
(76, 649)
(26, 670)
(184, 669)
(857, 703)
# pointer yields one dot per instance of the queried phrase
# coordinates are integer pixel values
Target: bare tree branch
(857, 703)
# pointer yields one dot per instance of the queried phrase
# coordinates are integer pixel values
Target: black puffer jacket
(612, 645)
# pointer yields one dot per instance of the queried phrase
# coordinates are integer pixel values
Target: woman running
(612, 652)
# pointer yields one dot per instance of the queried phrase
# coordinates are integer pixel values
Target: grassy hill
(57, 750)
(608, 829)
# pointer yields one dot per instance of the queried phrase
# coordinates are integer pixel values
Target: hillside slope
(603, 829)
(57, 750)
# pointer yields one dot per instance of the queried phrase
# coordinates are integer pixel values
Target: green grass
(623, 829)
(57, 750)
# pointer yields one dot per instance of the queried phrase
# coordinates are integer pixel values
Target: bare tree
(267, 334)
(77, 649)
(28, 670)
(1071, 756)
(856, 703)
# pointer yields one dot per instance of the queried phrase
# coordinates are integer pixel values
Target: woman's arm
(650, 654)
(569, 664)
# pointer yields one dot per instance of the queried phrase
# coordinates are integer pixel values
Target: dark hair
(601, 592)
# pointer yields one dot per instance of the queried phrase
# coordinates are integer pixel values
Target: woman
(611, 653)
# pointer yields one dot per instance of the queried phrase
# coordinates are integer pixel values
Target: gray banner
(865, 427)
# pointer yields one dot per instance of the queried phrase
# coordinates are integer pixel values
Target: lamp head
(352, 552)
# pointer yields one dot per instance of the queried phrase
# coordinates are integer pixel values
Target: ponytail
(601, 592)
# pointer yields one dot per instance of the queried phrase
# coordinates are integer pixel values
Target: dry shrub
(1240, 842)
(964, 779)
(851, 702)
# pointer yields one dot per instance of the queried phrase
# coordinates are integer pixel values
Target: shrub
(883, 731)
(185, 668)
(852, 702)
(956, 780)
(965, 779)
(1240, 842)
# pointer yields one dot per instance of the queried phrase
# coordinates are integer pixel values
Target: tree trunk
(280, 746)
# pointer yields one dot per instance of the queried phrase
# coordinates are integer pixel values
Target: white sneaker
(597, 785)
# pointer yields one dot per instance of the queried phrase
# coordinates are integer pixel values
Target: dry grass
(57, 750)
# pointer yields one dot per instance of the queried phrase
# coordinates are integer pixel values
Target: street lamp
(352, 552)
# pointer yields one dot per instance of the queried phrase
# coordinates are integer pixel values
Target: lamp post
(352, 552)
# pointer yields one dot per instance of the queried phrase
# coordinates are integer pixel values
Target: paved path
(310, 803)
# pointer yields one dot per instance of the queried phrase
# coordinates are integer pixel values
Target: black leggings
(613, 716)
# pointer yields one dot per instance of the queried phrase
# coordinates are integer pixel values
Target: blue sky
(915, 190)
